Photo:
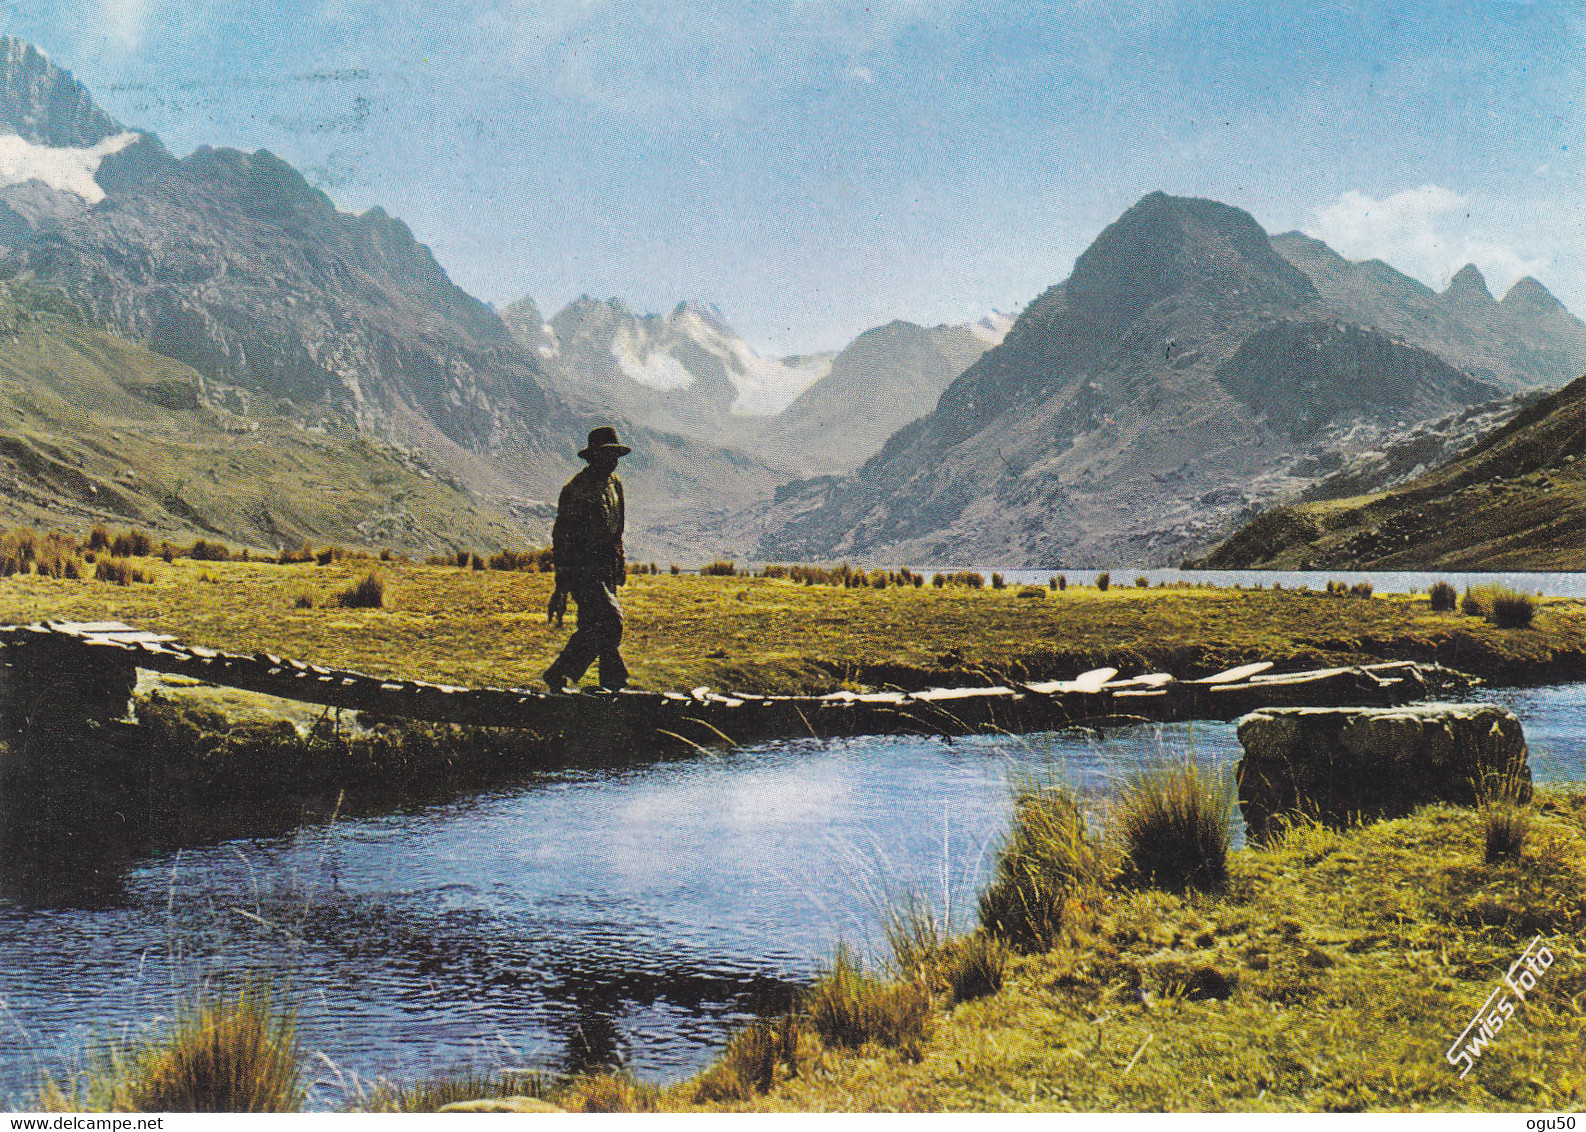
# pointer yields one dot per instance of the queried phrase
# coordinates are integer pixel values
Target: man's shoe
(555, 680)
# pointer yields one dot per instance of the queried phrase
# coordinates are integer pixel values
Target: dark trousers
(597, 637)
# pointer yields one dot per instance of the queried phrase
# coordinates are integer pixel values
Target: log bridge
(56, 675)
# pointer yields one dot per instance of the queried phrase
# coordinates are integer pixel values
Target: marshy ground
(772, 635)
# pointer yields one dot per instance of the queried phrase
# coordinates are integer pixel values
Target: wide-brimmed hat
(604, 439)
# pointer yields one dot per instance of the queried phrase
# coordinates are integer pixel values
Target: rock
(1340, 763)
(501, 1104)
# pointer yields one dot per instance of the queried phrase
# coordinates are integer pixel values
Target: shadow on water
(81, 805)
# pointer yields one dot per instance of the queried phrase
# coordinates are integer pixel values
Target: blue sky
(818, 168)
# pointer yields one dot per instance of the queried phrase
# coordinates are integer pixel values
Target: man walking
(586, 543)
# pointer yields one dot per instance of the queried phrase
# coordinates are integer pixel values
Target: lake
(579, 917)
(1382, 581)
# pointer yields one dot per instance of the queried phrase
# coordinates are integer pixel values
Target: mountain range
(289, 310)
(1189, 371)
(691, 374)
(195, 341)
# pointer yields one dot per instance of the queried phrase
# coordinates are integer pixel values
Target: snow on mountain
(765, 386)
(693, 349)
(992, 328)
(67, 169)
(648, 363)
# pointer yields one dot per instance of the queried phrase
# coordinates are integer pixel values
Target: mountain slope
(94, 428)
(880, 382)
(1524, 342)
(1166, 386)
(1515, 501)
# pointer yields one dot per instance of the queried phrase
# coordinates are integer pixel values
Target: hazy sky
(817, 168)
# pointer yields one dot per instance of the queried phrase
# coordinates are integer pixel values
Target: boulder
(1341, 764)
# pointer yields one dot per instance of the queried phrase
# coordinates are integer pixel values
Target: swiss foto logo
(1518, 981)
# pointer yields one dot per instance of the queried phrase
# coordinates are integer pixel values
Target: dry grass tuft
(434, 1093)
(367, 593)
(121, 572)
(1500, 606)
(611, 1092)
(1176, 824)
(1044, 866)
(849, 1007)
(755, 1059)
(225, 1055)
(1505, 828)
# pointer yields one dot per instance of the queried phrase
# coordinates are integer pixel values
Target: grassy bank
(772, 635)
(1331, 973)
(1327, 970)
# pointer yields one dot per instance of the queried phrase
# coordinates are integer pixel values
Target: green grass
(435, 1092)
(487, 627)
(756, 1058)
(850, 1007)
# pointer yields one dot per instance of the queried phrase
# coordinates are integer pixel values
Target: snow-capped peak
(647, 350)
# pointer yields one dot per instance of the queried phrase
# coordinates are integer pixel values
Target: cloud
(122, 23)
(1429, 233)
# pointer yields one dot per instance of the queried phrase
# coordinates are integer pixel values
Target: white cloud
(1428, 233)
(122, 23)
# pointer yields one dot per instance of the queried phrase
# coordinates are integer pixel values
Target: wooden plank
(940, 695)
(1302, 677)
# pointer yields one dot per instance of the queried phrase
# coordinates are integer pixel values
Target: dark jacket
(586, 541)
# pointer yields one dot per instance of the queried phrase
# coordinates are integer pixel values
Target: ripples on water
(582, 917)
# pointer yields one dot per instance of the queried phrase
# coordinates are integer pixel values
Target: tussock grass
(960, 967)
(972, 966)
(121, 572)
(1444, 597)
(756, 1058)
(367, 593)
(1500, 606)
(224, 1054)
(1176, 824)
(1505, 828)
(1512, 610)
(1045, 866)
(849, 1007)
(611, 1092)
(432, 1093)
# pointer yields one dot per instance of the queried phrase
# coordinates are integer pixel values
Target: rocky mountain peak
(1531, 297)
(43, 104)
(1165, 245)
(1468, 283)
